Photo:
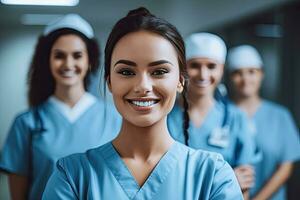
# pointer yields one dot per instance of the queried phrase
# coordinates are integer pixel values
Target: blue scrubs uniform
(182, 173)
(233, 141)
(278, 139)
(33, 153)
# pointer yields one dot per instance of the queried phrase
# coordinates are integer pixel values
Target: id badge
(219, 137)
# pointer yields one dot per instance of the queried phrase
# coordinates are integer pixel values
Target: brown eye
(160, 72)
(59, 55)
(194, 65)
(126, 72)
(211, 66)
(251, 71)
(77, 55)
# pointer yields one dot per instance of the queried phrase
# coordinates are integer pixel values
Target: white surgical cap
(243, 56)
(205, 45)
(72, 21)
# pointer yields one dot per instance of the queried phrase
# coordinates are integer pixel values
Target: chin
(142, 122)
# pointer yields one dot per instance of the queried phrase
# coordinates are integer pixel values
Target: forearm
(280, 176)
(18, 186)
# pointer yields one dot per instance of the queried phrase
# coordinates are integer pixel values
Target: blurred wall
(15, 53)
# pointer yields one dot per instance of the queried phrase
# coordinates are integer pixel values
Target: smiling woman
(144, 69)
(63, 118)
(144, 85)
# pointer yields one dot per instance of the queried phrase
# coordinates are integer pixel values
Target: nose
(69, 62)
(203, 72)
(143, 84)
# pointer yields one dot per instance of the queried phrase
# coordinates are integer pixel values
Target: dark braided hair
(186, 116)
(142, 19)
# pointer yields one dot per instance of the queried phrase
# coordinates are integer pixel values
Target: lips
(203, 84)
(143, 104)
(67, 73)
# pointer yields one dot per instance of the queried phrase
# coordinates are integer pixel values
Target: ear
(180, 84)
(108, 83)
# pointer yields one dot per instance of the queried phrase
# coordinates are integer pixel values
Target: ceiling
(188, 16)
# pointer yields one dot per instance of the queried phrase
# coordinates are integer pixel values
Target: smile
(67, 73)
(143, 103)
(204, 83)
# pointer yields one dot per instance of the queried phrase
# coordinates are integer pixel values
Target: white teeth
(143, 103)
(203, 83)
(67, 73)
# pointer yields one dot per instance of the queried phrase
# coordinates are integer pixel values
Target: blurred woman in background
(271, 124)
(63, 118)
(215, 124)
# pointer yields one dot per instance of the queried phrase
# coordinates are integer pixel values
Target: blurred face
(246, 82)
(144, 77)
(69, 61)
(205, 74)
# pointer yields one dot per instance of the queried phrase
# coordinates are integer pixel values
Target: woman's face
(205, 74)
(246, 82)
(144, 78)
(69, 61)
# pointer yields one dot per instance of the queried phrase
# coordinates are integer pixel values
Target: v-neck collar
(74, 113)
(156, 178)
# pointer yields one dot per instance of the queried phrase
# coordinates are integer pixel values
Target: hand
(245, 175)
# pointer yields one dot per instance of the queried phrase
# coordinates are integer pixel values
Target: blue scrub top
(182, 173)
(278, 139)
(234, 142)
(97, 125)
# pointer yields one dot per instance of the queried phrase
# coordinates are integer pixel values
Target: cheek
(218, 73)
(84, 64)
(192, 72)
(217, 76)
(236, 80)
(54, 66)
(169, 89)
(118, 86)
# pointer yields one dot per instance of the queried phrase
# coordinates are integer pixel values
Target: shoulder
(274, 109)
(28, 116)
(78, 162)
(213, 172)
(25, 117)
(199, 157)
(235, 117)
(235, 111)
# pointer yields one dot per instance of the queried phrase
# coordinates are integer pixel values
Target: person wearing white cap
(215, 124)
(272, 125)
(63, 118)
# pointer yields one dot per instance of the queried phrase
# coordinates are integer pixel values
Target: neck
(69, 95)
(248, 104)
(199, 107)
(200, 101)
(143, 142)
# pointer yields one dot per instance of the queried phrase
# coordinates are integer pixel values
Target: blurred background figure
(215, 125)
(272, 26)
(271, 124)
(63, 118)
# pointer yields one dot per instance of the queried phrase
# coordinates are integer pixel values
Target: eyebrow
(75, 51)
(128, 62)
(159, 62)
